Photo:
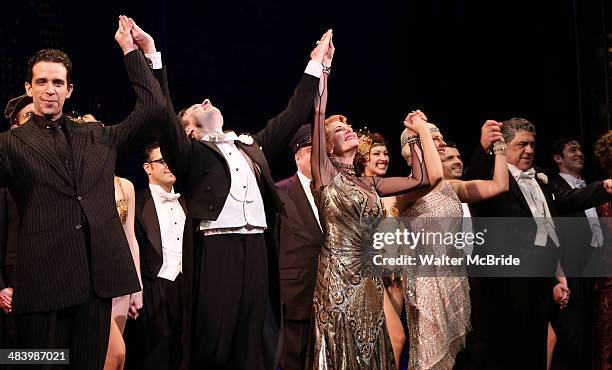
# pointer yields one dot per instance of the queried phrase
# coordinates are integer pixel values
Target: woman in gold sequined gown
(372, 159)
(348, 319)
(437, 299)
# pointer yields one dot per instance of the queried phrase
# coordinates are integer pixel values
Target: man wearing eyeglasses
(160, 218)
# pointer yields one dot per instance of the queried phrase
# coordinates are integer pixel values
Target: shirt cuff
(314, 69)
(155, 58)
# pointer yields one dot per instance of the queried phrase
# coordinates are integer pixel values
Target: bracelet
(499, 147)
(411, 140)
(326, 69)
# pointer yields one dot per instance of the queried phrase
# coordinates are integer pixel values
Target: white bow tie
(168, 197)
(579, 183)
(527, 175)
(219, 137)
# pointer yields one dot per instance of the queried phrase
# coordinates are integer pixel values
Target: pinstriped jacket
(70, 238)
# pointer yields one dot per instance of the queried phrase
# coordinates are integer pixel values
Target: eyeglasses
(160, 161)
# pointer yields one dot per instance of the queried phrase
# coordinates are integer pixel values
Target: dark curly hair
(49, 55)
(360, 160)
(603, 152)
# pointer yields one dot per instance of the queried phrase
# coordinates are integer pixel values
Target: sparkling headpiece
(366, 143)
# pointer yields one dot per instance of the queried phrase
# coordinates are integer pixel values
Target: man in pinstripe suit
(72, 254)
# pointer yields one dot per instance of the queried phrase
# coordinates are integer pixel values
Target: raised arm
(322, 169)
(426, 165)
(481, 163)
(478, 190)
(279, 130)
(150, 107)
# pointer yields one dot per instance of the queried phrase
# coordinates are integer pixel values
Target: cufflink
(149, 62)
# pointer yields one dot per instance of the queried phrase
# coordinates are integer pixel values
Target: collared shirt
(243, 211)
(305, 182)
(591, 213)
(467, 227)
(171, 219)
(537, 204)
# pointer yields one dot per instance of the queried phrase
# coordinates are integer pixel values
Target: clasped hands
(130, 37)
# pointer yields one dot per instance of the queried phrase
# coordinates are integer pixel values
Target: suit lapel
(299, 196)
(212, 146)
(516, 190)
(150, 223)
(262, 172)
(33, 136)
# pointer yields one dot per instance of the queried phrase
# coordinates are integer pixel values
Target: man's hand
(608, 185)
(490, 133)
(320, 51)
(123, 36)
(561, 294)
(142, 39)
(135, 305)
(6, 300)
(415, 123)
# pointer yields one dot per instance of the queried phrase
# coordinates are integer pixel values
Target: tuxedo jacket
(204, 175)
(70, 238)
(148, 234)
(203, 170)
(513, 204)
(300, 243)
(576, 252)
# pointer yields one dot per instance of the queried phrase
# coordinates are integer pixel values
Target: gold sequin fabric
(437, 302)
(122, 204)
(348, 317)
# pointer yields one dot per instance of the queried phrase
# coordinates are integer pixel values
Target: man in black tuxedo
(511, 330)
(581, 245)
(233, 203)
(72, 253)
(300, 242)
(160, 221)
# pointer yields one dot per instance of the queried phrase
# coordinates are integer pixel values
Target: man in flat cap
(19, 110)
(300, 242)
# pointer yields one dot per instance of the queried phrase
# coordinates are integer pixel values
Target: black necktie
(62, 148)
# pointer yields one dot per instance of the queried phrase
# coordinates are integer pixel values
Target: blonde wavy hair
(329, 144)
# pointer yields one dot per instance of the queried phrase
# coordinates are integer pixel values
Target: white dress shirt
(243, 211)
(171, 219)
(591, 213)
(305, 181)
(537, 204)
(467, 227)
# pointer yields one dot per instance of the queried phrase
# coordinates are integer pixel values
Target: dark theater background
(548, 61)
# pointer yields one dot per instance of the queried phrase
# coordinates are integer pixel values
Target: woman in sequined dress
(348, 319)
(437, 298)
(372, 159)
